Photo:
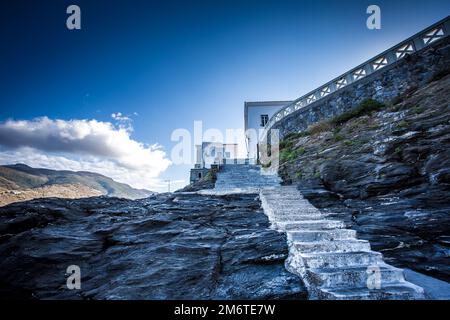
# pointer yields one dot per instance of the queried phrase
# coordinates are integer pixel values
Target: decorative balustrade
(413, 44)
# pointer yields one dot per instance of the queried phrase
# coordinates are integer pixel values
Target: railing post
(391, 57)
(418, 43)
(368, 67)
(349, 78)
(446, 27)
(332, 87)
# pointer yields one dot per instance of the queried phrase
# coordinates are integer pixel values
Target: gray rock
(169, 246)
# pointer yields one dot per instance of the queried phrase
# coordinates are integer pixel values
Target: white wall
(214, 152)
(252, 114)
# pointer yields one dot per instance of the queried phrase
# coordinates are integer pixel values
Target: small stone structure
(197, 174)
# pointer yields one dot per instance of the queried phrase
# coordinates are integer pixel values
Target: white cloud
(122, 121)
(88, 145)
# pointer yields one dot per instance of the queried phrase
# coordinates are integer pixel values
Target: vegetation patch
(366, 107)
(296, 135)
(211, 175)
(289, 155)
(402, 124)
(337, 136)
(319, 127)
(418, 110)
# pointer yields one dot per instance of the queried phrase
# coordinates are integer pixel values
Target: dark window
(264, 119)
(199, 175)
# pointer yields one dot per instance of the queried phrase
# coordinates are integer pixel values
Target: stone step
(289, 204)
(354, 276)
(297, 217)
(341, 259)
(397, 291)
(294, 212)
(330, 259)
(314, 225)
(320, 235)
(351, 245)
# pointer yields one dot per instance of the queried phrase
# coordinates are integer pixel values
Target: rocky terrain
(20, 182)
(385, 170)
(69, 191)
(168, 246)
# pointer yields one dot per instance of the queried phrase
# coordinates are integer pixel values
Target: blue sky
(165, 64)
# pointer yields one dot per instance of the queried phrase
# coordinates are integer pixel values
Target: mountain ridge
(22, 179)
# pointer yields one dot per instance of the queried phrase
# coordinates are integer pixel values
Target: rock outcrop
(169, 246)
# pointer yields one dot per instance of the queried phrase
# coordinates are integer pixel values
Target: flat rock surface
(169, 246)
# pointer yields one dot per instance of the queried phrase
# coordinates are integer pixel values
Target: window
(227, 155)
(199, 175)
(264, 119)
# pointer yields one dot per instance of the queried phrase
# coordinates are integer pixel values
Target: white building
(256, 115)
(212, 153)
(209, 153)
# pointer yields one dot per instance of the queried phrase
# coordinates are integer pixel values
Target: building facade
(210, 154)
(256, 116)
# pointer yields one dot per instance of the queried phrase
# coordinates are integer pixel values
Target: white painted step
(332, 246)
(354, 276)
(333, 263)
(320, 235)
(341, 259)
(294, 218)
(399, 291)
(314, 225)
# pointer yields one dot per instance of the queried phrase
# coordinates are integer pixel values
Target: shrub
(402, 124)
(287, 155)
(338, 137)
(418, 110)
(301, 151)
(295, 135)
(286, 144)
(210, 176)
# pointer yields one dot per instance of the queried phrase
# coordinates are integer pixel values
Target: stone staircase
(244, 178)
(333, 263)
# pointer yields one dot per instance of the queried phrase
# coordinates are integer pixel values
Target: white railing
(415, 43)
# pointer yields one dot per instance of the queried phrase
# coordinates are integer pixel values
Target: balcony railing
(415, 43)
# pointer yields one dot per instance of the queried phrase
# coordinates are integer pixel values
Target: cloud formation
(88, 145)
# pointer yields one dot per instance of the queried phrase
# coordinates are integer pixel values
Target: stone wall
(412, 72)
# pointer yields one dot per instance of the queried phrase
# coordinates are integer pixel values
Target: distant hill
(21, 179)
